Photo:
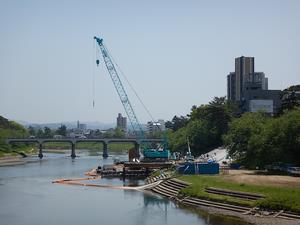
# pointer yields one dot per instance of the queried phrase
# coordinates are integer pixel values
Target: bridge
(73, 141)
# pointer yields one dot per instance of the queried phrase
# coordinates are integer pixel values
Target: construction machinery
(149, 154)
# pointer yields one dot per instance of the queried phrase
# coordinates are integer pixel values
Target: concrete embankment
(171, 189)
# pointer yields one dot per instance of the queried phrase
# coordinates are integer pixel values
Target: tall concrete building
(243, 67)
(244, 78)
(81, 126)
(122, 122)
(250, 89)
(231, 86)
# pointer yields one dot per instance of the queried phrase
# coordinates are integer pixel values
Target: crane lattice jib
(136, 126)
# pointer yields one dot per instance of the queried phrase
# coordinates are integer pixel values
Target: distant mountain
(70, 125)
(73, 124)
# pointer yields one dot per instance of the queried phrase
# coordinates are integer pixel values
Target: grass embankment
(10, 129)
(277, 198)
(15, 149)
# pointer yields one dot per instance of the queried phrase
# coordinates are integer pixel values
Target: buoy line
(92, 175)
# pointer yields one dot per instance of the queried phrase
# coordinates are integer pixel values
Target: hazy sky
(175, 53)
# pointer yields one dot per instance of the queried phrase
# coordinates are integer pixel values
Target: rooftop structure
(121, 122)
(156, 126)
(250, 89)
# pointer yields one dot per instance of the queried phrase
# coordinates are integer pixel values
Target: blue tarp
(198, 168)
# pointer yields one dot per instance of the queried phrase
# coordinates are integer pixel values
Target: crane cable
(132, 88)
(94, 73)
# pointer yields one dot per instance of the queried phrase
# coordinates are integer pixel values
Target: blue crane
(136, 126)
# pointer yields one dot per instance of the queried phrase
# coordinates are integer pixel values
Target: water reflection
(164, 209)
(154, 200)
(214, 219)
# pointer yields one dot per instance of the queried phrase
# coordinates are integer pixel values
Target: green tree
(283, 137)
(202, 136)
(10, 129)
(245, 139)
(176, 123)
(118, 133)
(98, 133)
(40, 133)
(4, 123)
(62, 130)
(289, 98)
(178, 140)
(218, 114)
(109, 133)
(16, 126)
(204, 126)
(31, 130)
(258, 140)
(47, 132)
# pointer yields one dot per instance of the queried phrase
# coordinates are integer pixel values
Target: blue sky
(175, 53)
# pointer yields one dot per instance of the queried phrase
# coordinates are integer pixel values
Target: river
(28, 197)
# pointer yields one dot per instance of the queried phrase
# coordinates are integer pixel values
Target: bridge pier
(73, 155)
(40, 155)
(137, 149)
(105, 150)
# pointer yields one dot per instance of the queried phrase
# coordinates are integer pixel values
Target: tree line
(204, 126)
(257, 140)
(47, 132)
(253, 139)
(10, 129)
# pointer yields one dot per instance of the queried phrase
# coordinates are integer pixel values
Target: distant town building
(122, 122)
(81, 126)
(250, 89)
(153, 127)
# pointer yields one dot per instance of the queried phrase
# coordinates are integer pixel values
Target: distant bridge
(73, 141)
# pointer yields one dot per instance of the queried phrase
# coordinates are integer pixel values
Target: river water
(27, 197)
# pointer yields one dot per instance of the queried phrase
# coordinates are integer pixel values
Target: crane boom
(136, 126)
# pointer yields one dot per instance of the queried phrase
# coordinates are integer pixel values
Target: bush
(257, 140)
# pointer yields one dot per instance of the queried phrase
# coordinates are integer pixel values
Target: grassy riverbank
(277, 198)
(10, 129)
(13, 151)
